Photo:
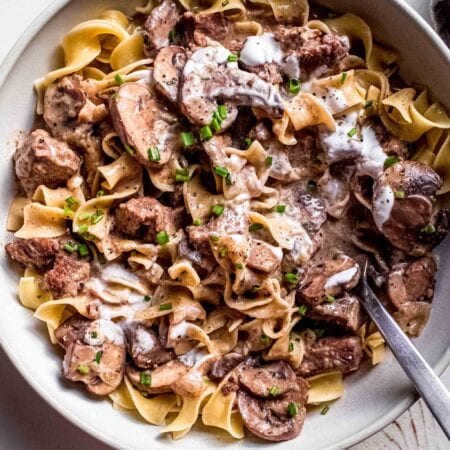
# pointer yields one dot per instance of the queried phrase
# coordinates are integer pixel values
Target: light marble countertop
(27, 422)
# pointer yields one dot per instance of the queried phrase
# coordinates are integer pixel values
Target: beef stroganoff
(194, 211)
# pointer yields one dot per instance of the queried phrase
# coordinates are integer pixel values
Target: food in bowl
(195, 207)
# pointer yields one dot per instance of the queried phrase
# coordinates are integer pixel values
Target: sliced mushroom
(274, 420)
(167, 70)
(145, 347)
(159, 380)
(412, 282)
(143, 122)
(209, 76)
(95, 353)
(260, 380)
(224, 365)
(403, 207)
(331, 278)
(413, 316)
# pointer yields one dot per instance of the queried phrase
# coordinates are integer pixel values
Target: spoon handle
(428, 385)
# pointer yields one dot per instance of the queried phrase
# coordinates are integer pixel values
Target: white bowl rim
(6, 67)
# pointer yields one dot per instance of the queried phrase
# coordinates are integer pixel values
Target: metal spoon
(428, 385)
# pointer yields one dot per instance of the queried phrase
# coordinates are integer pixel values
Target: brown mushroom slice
(157, 381)
(266, 380)
(413, 316)
(209, 76)
(331, 278)
(403, 208)
(167, 70)
(270, 420)
(220, 368)
(144, 122)
(412, 282)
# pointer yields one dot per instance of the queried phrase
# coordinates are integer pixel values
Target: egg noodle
(212, 311)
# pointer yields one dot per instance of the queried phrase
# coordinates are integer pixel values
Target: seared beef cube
(37, 252)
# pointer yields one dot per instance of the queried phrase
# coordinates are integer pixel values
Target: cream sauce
(382, 204)
(341, 278)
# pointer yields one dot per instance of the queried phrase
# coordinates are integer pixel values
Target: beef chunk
(66, 277)
(344, 311)
(37, 252)
(313, 48)
(391, 144)
(160, 22)
(264, 257)
(42, 159)
(145, 347)
(199, 239)
(328, 354)
(144, 217)
(194, 29)
(224, 365)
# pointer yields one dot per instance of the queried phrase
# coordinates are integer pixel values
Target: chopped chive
(274, 391)
(255, 227)
(162, 238)
(206, 380)
(71, 202)
(429, 229)
(215, 125)
(153, 154)
(145, 379)
(248, 142)
(218, 209)
(302, 310)
(224, 173)
(85, 216)
(147, 298)
(70, 247)
(292, 409)
(399, 194)
(325, 410)
(239, 266)
(100, 193)
(223, 252)
(269, 161)
(129, 150)
(368, 104)
(205, 133)
(98, 356)
(197, 222)
(225, 2)
(171, 35)
(182, 175)
(291, 347)
(83, 368)
(68, 211)
(214, 237)
(294, 86)
(119, 79)
(343, 77)
(97, 216)
(390, 161)
(233, 58)
(280, 208)
(329, 299)
(165, 306)
(187, 138)
(352, 132)
(291, 278)
(83, 229)
(265, 339)
(222, 111)
(83, 250)
(94, 335)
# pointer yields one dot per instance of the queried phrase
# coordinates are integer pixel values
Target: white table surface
(28, 423)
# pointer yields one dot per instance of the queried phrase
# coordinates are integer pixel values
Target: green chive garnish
(255, 227)
(302, 310)
(182, 175)
(147, 298)
(269, 161)
(187, 139)
(83, 229)
(233, 58)
(368, 104)
(165, 306)
(70, 247)
(94, 335)
(280, 208)
(205, 133)
(329, 299)
(83, 250)
(218, 209)
(274, 391)
(153, 154)
(265, 339)
(390, 161)
(71, 202)
(83, 368)
(98, 356)
(399, 194)
(352, 132)
(119, 79)
(100, 193)
(145, 379)
(225, 2)
(292, 409)
(429, 229)
(239, 266)
(248, 142)
(162, 238)
(214, 237)
(294, 86)
(343, 77)
(222, 111)
(291, 347)
(129, 150)
(224, 173)
(197, 222)
(215, 125)
(325, 410)
(291, 277)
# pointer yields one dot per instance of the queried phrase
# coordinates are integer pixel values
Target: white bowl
(374, 397)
